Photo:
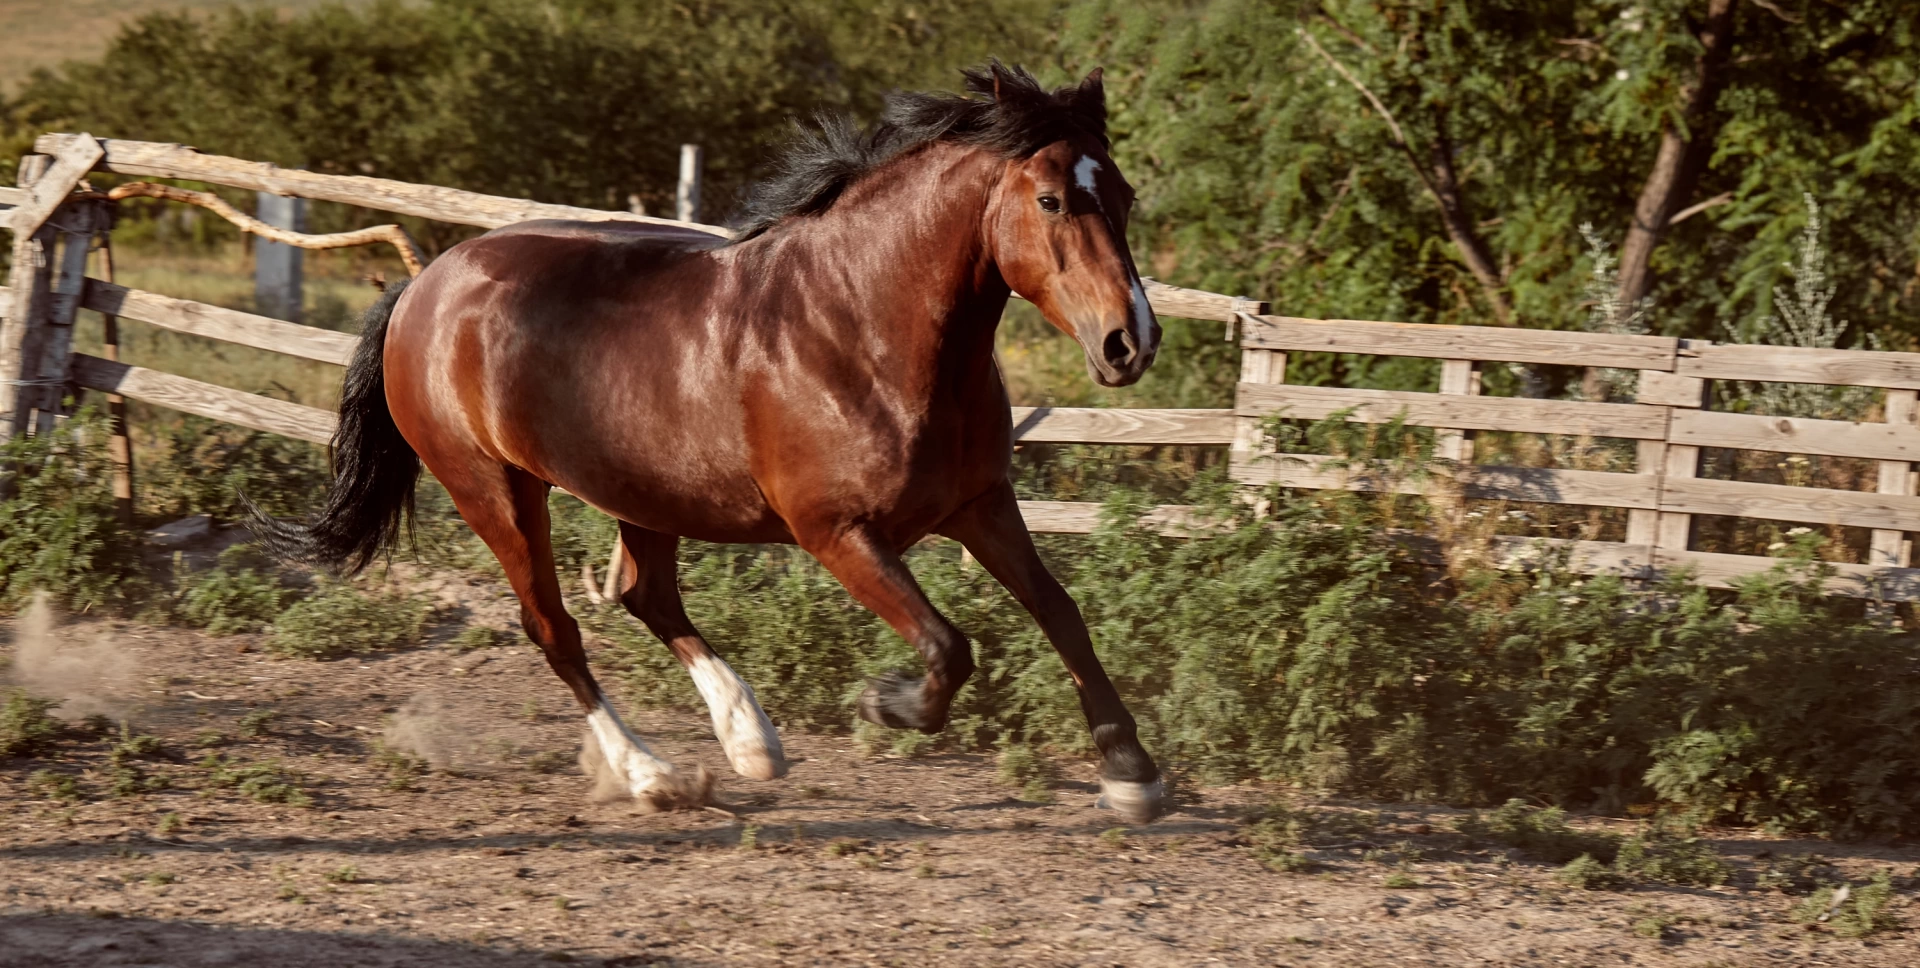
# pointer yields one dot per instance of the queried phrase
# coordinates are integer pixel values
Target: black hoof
(896, 701)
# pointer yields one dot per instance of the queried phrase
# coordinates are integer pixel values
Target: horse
(824, 378)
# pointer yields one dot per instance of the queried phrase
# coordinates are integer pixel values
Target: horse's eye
(1050, 203)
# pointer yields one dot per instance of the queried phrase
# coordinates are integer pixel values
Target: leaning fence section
(54, 221)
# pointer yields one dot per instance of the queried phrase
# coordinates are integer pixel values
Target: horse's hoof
(1136, 803)
(895, 700)
(678, 790)
(755, 762)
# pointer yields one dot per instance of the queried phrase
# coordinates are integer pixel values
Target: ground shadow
(80, 941)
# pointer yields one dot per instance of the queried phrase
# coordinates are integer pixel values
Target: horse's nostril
(1119, 348)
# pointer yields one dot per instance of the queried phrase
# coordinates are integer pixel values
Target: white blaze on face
(752, 745)
(1142, 316)
(1083, 172)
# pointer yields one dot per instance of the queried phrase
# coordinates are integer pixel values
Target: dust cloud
(90, 675)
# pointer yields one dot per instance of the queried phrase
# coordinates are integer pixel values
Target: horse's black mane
(1009, 112)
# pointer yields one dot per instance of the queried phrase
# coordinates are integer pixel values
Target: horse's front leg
(991, 528)
(878, 579)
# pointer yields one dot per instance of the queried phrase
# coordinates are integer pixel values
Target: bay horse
(826, 378)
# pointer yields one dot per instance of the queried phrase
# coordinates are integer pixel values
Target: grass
(239, 594)
(344, 874)
(1540, 832)
(1020, 766)
(54, 786)
(1863, 911)
(476, 637)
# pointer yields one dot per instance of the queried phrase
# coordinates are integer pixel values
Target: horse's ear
(1089, 99)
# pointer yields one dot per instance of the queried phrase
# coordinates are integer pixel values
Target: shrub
(339, 620)
(1019, 766)
(201, 466)
(475, 637)
(59, 529)
(235, 595)
(1541, 832)
(25, 727)
(1862, 911)
(266, 782)
(1593, 875)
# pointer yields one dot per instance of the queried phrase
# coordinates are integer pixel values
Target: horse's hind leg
(509, 513)
(651, 591)
(991, 528)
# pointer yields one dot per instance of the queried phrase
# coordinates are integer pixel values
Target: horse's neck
(908, 243)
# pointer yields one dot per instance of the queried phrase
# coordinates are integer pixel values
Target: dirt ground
(850, 860)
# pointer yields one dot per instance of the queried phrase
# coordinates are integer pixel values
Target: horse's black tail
(374, 470)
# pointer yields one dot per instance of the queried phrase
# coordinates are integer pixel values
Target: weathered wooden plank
(1196, 303)
(1544, 485)
(1854, 581)
(71, 162)
(1083, 517)
(1670, 390)
(157, 160)
(1462, 378)
(1793, 364)
(1465, 413)
(214, 322)
(76, 225)
(1098, 425)
(205, 399)
(1796, 435)
(1461, 342)
(14, 197)
(1813, 505)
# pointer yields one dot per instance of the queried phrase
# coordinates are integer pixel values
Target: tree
(1431, 160)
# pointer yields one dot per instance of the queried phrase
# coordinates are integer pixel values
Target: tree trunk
(1685, 148)
(1464, 232)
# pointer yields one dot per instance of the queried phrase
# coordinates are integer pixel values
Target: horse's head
(1057, 226)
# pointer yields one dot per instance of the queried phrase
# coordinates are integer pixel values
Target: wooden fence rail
(1667, 421)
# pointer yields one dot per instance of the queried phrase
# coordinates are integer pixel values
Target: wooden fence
(1668, 421)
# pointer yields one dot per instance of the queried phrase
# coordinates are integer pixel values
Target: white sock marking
(753, 747)
(1135, 802)
(626, 754)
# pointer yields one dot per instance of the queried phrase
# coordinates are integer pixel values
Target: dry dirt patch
(850, 860)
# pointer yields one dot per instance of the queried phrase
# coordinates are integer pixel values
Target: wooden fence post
(687, 198)
(76, 222)
(1457, 377)
(1896, 477)
(120, 444)
(1665, 530)
(31, 278)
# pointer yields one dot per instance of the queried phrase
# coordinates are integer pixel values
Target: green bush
(58, 527)
(1540, 832)
(201, 466)
(239, 594)
(25, 727)
(1862, 912)
(266, 781)
(1311, 646)
(340, 620)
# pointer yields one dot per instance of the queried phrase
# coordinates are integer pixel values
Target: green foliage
(266, 781)
(475, 637)
(1594, 875)
(201, 466)
(54, 786)
(339, 620)
(1263, 171)
(58, 526)
(1541, 832)
(1020, 766)
(1309, 646)
(1863, 911)
(241, 593)
(25, 727)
